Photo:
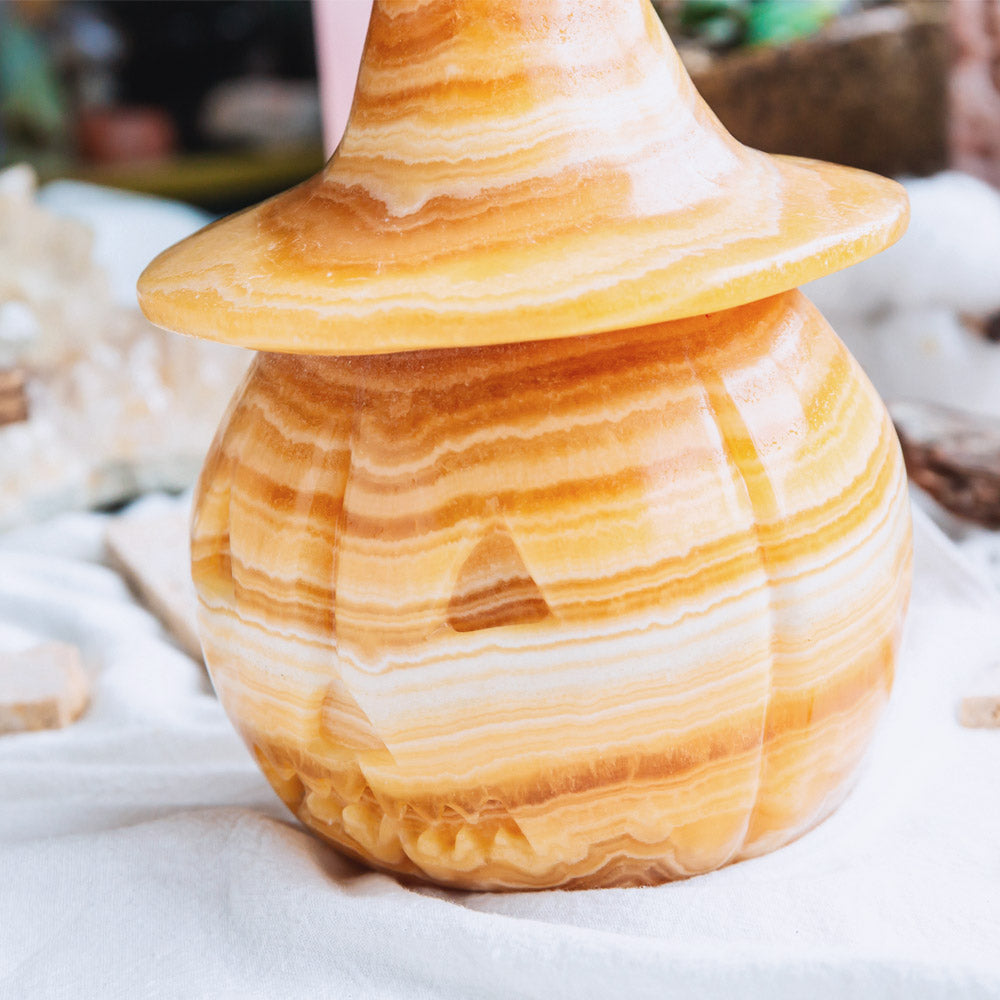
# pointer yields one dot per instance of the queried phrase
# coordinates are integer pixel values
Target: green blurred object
(32, 106)
(695, 11)
(773, 22)
(719, 24)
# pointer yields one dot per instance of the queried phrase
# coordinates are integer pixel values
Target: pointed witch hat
(517, 170)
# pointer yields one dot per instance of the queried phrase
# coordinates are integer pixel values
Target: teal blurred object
(773, 22)
(723, 24)
(33, 110)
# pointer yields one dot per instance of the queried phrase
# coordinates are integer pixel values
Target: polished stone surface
(596, 611)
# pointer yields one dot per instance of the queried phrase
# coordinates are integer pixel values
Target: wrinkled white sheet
(141, 853)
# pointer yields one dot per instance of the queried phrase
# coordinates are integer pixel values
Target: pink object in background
(341, 27)
(975, 88)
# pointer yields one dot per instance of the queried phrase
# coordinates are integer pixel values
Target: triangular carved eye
(495, 588)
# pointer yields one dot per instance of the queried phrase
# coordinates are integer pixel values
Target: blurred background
(125, 126)
(211, 101)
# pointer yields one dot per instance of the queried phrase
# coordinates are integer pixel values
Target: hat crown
(456, 99)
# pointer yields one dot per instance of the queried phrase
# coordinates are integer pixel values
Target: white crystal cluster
(116, 406)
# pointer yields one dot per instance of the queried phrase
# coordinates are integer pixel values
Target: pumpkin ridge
(725, 412)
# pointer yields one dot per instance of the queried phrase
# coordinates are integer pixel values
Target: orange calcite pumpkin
(556, 540)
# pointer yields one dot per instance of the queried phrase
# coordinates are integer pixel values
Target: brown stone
(954, 456)
(13, 398)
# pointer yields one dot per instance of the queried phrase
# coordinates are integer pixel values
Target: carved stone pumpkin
(556, 540)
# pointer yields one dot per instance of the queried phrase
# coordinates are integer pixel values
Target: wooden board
(870, 91)
(152, 551)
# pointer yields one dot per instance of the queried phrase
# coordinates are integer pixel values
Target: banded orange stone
(554, 538)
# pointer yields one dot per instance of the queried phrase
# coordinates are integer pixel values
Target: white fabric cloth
(142, 854)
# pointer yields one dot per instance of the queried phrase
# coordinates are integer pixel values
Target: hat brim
(260, 280)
